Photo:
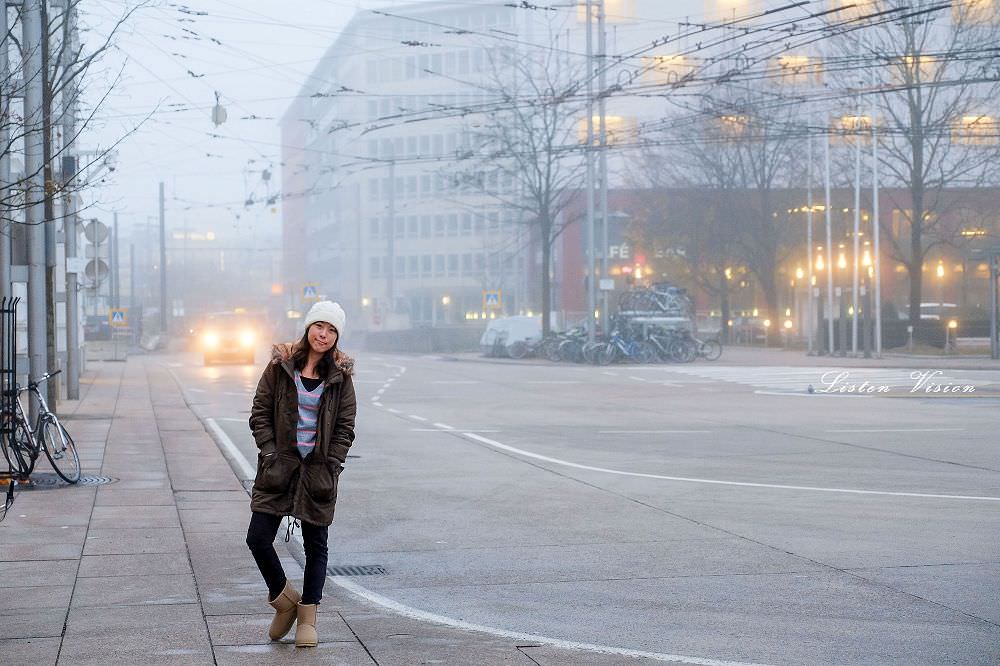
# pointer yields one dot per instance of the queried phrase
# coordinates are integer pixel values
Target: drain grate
(48, 480)
(357, 570)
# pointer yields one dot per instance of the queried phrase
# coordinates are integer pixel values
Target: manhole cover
(47, 480)
(357, 570)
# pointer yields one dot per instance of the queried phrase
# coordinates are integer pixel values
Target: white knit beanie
(329, 312)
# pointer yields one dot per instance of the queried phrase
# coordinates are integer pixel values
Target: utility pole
(588, 153)
(857, 230)
(34, 189)
(390, 271)
(829, 246)
(70, 220)
(602, 46)
(116, 295)
(810, 307)
(6, 221)
(163, 265)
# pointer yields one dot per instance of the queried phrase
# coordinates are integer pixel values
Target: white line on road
(897, 430)
(649, 432)
(456, 382)
(196, 390)
(424, 616)
(442, 426)
(394, 411)
(718, 482)
(439, 430)
(417, 418)
(231, 450)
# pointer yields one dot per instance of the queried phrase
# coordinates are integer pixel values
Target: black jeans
(260, 539)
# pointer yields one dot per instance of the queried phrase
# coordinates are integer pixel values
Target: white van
(500, 333)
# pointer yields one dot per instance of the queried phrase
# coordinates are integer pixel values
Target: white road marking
(649, 432)
(897, 430)
(196, 390)
(439, 430)
(424, 616)
(718, 482)
(555, 381)
(376, 403)
(394, 411)
(456, 382)
(443, 426)
(417, 418)
(806, 394)
(239, 393)
(231, 450)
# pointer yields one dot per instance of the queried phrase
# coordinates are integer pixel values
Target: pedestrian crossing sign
(118, 316)
(492, 300)
(310, 292)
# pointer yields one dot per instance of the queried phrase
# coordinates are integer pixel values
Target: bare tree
(526, 153)
(937, 123)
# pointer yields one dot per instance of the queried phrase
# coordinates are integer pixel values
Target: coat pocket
(274, 472)
(320, 482)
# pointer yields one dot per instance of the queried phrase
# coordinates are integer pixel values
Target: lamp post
(842, 314)
(820, 307)
(940, 275)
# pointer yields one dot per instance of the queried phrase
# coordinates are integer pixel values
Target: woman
(303, 422)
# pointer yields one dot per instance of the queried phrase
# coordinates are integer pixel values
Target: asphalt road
(717, 512)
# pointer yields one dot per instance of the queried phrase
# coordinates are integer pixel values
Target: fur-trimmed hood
(282, 353)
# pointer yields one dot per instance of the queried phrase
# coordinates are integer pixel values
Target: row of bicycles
(628, 343)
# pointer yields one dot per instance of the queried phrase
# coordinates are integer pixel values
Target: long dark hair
(300, 354)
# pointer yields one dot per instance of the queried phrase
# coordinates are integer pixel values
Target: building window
(466, 264)
(439, 225)
(400, 266)
(452, 264)
(425, 265)
(425, 227)
(374, 264)
(373, 189)
(413, 266)
(373, 227)
(453, 224)
(425, 184)
(467, 224)
(413, 226)
(439, 265)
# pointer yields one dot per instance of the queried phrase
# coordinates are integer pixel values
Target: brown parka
(287, 484)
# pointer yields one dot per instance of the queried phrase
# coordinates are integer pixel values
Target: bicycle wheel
(647, 352)
(60, 450)
(517, 349)
(19, 449)
(552, 352)
(606, 354)
(711, 350)
(683, 351)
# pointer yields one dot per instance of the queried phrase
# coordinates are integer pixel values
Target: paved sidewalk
(153, 567)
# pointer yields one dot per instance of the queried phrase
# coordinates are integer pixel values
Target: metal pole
(70, 227)
(588, 153)
(602, 84)
(857, 230)
(810, 305)
(994, 274)
(829, 247)
(116, 295)
(163, 264)
(6, 226)
(390, 271)
(34, 189)
(876, 233)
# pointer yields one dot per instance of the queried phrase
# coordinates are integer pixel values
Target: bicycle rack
(8, 383)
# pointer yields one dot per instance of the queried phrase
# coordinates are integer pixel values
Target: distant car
(228, 337)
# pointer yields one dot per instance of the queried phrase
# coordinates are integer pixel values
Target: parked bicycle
(27, 441)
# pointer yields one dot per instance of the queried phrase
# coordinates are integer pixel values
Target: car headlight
(211, 340)
(247, 338)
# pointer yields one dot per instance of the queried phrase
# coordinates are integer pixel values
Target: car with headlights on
(228, 337)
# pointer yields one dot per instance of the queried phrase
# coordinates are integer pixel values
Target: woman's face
(322, 337)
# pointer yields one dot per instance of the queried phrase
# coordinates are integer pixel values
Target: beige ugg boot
(285, 606)
(305, 629)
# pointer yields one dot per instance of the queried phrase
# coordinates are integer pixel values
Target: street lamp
(940, 275)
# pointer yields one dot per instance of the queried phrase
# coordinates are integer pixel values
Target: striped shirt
(305, 433)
